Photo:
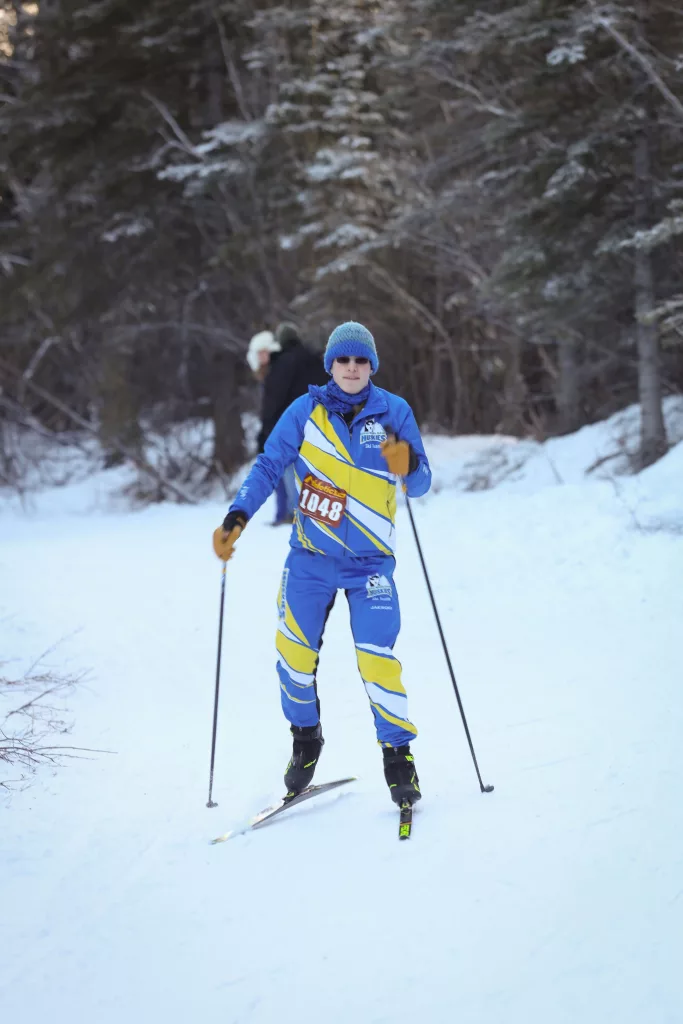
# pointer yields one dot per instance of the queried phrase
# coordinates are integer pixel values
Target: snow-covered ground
(557, 899)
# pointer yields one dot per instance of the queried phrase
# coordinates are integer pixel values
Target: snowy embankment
(557, 899)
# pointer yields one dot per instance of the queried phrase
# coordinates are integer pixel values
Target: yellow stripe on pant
(381, 675)
(309, 586)
(301, 659)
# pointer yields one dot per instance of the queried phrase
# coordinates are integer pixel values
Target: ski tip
(268, 813)
(220, 839)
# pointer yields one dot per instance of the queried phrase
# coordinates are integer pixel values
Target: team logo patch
(372, 433)
(378, 586)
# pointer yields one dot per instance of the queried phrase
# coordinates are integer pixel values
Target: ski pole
(210, 802)
(484, 789)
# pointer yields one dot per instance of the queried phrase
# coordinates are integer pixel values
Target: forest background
(494, 188)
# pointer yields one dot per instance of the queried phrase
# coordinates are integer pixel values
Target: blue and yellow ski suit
(342, 538)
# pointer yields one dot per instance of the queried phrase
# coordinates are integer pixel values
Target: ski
(268, 813)
(405, 826)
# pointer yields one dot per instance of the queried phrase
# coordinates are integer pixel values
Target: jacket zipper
(349, 428)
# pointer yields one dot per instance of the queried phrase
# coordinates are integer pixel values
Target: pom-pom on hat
(351, 339)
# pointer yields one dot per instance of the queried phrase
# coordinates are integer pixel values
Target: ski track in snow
(554, 900)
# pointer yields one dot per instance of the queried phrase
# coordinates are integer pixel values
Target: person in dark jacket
(288, 377)
(291, 370)
(262, 351)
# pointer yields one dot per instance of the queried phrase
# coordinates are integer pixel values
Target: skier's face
(351, 376)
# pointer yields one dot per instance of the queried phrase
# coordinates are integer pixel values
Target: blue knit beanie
(351, 339)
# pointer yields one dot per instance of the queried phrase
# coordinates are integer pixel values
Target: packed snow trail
(556, 899)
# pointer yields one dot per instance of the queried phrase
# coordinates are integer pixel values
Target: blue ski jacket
(347, 497)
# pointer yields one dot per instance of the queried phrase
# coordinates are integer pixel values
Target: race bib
(322, 502)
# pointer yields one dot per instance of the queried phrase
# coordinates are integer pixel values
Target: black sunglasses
(358, 360)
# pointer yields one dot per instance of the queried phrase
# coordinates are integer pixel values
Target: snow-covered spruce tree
(649, 38)
(324, 167)
(549, 174)
(547, 109)
(447, 237)
(488, 185)
(338, 143)
(602, 170)
(118, 270)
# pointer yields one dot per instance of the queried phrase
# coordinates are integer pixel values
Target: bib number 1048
(321, 501)
(326, 509)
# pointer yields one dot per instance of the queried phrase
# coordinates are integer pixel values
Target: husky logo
(378, 586)
(372, 433)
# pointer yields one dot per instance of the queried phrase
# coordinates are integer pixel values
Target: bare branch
(26, 376)
(28, 745)
(483, 103)
(41, 696)
(124, 449)
(173, 125)
(236, 342)
(413, 304)
(640, 59)
(232, 70)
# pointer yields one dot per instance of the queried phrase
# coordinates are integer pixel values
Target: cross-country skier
(349, 442)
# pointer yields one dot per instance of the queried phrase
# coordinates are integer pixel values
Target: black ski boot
(399, 771)
(308, 742)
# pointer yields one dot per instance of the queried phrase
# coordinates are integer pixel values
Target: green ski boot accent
(308, 743)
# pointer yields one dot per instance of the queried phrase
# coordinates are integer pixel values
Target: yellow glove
(400, 457)
(225, 536)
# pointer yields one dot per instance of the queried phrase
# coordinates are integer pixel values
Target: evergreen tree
(493, 188)
(552, 136)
